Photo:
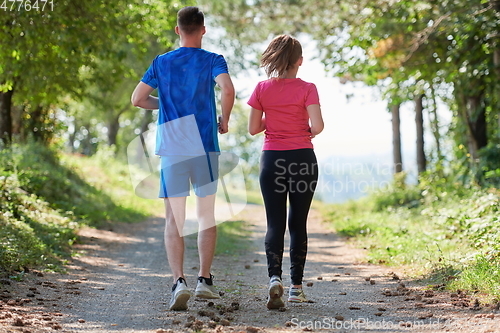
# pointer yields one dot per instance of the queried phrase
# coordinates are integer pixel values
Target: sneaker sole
(206, 294)
(181, 300)
(296, 300)
(274, 301)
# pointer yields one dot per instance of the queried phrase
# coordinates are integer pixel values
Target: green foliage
(481, 276)
(108, 194)
(489, 165)
(472, 218)
(446, 51)
(45, 198)
(233, 237)
(398, 194)
(40, 172)
(31, 232)
(450, 234)
(89, 53)
(254, 197)
(76, 35)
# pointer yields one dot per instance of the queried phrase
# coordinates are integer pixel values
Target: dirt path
(120, 282)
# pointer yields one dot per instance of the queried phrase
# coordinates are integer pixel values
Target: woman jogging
(288, 110)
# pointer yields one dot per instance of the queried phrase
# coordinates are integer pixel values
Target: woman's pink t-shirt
(284, 103)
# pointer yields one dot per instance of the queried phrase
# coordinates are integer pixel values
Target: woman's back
(284, 103)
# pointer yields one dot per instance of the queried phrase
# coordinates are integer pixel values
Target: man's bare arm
(141, 97)
(227, 100)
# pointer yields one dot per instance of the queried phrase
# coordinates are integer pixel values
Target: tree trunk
(17, 122)
(434, 125)
(419, 121)
(113, 127)
(146, 120)
(85, 143)
(396, 139)
(6, 117)
(496, 63)
(72, 138)
(476, 123)
(472, 113)
(35, 124)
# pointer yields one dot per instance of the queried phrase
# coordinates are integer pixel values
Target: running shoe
(180, 295)
(276, 289)
(297, 295)
(205, 288)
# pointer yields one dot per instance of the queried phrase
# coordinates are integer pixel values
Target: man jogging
(187, 143)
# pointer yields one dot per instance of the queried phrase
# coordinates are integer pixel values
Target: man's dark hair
(190, 19)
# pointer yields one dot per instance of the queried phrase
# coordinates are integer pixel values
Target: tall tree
(44, 52)
(419, 122)
(6, 117)
(434, 125)
(396, 138)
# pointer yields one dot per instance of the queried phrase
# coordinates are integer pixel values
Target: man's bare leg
(175, 212)
(207, 235)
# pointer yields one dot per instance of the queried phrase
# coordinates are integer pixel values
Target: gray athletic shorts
(178, 172)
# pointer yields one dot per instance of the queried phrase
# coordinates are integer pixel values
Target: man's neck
(191, 42)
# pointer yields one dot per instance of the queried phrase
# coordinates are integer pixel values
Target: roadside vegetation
(46, 196)
(440, 232)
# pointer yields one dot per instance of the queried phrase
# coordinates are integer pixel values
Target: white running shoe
(297, 295)
(276, 289)
(205, 288)
(180, 295)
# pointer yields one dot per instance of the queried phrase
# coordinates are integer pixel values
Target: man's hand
(227, 100)
(223, 125)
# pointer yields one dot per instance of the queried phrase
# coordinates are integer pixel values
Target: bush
(31, 233)
(398, 194)
(439, 228)
(490, 165)
(44, 199)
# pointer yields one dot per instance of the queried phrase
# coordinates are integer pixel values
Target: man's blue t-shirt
(187, 120)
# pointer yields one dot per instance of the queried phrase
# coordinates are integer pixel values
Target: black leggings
(292, 174)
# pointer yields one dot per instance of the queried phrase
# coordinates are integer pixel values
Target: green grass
(483, 275)
(397, 238)
(437, 235)
(46, 196)
(111, 181)
(233, 238)
(254, 197)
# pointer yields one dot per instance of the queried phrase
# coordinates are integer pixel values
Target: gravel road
(119, 281)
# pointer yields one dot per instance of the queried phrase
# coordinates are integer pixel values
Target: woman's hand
(317, 125)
